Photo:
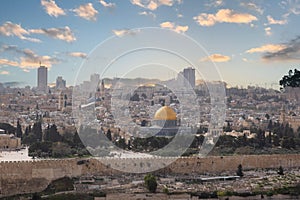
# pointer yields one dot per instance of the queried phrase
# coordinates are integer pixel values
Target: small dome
(165, 113)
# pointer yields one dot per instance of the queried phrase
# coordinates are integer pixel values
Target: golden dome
(165, 113)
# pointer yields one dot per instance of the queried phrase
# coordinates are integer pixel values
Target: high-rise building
(95, 80)
(60, 83)
(189, 76)
(42, 77)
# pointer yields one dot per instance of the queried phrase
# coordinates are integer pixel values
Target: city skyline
(251, 42)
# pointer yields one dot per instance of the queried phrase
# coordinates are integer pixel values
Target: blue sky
(252, 42)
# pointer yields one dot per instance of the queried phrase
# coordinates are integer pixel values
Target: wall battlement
(33, 176)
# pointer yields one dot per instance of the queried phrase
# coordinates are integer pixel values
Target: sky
(252, 42)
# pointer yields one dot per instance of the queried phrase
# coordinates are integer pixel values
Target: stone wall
(34, 176)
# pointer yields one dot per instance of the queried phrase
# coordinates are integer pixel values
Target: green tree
(26, 133)
(228, 128)
(121, 143)
(51, 134)
(239, 171)
(77, 141)
(37, 131)
(60, 150)
(291, 80)
(276, 140)
(19, 130)
(288, 143)
(135, 97)
(150, 182)
(35, 196)
(108, 134)
(267, 116)
(280, 171)
(9, 129)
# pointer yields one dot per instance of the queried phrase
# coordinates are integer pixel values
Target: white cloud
(292, 6)
(270, 48)
(290, 51)
(271, 20)
(214, 3)
(268, 31)
(5, 62)
(153, 4)
(64, 33)
(245, 59)
(252, 6)
(4, 73)
(78, 54)
(122, 32)
(180, 15)
(107, 5)
(51, 8)
(172, 26)
(27, 59)
(216, 58)
(145, 13)
(224, 16)
(11, 29)
(87, 11)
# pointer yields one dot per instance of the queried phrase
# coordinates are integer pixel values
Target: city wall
(19, 177)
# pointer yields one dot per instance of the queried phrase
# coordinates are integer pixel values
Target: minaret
(102, 89)
(98, 93)
(282, 115)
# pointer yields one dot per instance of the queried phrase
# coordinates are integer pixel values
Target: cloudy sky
(252, 42)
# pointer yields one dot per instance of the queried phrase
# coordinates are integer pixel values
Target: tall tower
(189, 76)
(94, 79)
(282, 118)
(60, 83)
(102, 89)
(42, 77)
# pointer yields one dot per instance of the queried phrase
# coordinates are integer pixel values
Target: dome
(165, 113)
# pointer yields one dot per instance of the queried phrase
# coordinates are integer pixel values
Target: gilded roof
(165, 113)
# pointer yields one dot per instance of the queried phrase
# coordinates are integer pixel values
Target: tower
(282, 115)
(60, 83)
(42, 79)
(189, 76)
(102, 89)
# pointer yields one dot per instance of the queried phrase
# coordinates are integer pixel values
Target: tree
(144, 96)
(135, 97)
(267, 116)
(150, 182)
(108, 135)
(9, 129)
(276, 140)
(26, 131)
(35, 196)
(270, 125)
(291, 80)
(121, 143)
(51, 134)
(77, 141)
(37, 131)
(129, 145)
(227, 128)
(280, 171)
(261, 138)
(239, 171)
(288, 143)
(60, 150)
(19, 130)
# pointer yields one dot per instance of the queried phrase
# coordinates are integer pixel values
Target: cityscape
(152, 111)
